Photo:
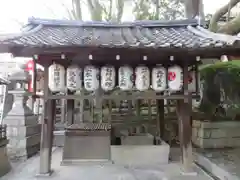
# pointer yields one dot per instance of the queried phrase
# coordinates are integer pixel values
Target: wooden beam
(120, 97)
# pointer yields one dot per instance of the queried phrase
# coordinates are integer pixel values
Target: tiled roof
(140, 34)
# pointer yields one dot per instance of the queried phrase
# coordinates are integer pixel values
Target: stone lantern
(23, 130)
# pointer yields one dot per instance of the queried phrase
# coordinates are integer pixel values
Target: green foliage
(220, 85)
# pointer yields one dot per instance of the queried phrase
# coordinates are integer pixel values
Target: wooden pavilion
(183, 43)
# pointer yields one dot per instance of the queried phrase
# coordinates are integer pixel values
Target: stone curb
(213, 168)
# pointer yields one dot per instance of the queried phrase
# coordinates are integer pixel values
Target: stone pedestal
(5, 166)
(23, 130)
(206, 134)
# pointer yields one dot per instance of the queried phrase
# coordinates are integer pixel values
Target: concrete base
(85, 162)
(45, 175)
(58, 139)
(139, 139)
(5, 166)
(140, 154)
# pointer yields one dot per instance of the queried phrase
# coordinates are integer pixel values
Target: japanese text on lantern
(125, 78)
(143, 76)
(142, 80)
(91, 78)
(122, 77)
(57, 75)
(88, 78)
(159, 78)
(175, 80)
(108, 74)
(108, 78)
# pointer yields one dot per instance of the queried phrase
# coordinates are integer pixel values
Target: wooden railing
(3, 132)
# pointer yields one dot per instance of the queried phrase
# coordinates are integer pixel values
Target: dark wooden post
(184, 109)
(63, 111)
(110, 111)
(160, 117)
(47, 129)
(34, 81)
(70, 110)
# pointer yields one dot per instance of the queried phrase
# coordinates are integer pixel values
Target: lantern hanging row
(91, 78)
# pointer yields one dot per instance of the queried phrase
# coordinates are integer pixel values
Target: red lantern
(30, 70)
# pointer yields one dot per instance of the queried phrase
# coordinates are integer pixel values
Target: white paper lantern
(192, 81)
(74, 78)
(91, 78)
(142, 80)
(108, 75)
(175, 79)
(159, 78)
(56, 76)
(125, 78)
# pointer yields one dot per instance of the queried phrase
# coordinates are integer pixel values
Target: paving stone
(28, 169)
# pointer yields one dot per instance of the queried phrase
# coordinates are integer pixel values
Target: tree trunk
(78, 9)
(232, 27)
(119, 7)
(213, 26)
(95, 9)
(194, 8)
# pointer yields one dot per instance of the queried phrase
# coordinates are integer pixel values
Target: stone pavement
(222, 163)
(28, 169)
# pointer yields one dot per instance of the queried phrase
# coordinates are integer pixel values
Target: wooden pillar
(70, 111)
(160, 118)
(138, 108)
(97, 109)
(184, 111)
(81, 111)
(47, 130)
(63, 111)
(110, 111)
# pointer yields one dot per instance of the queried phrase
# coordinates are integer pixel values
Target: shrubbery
(221, 90)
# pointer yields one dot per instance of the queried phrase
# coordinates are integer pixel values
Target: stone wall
(207, 134)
